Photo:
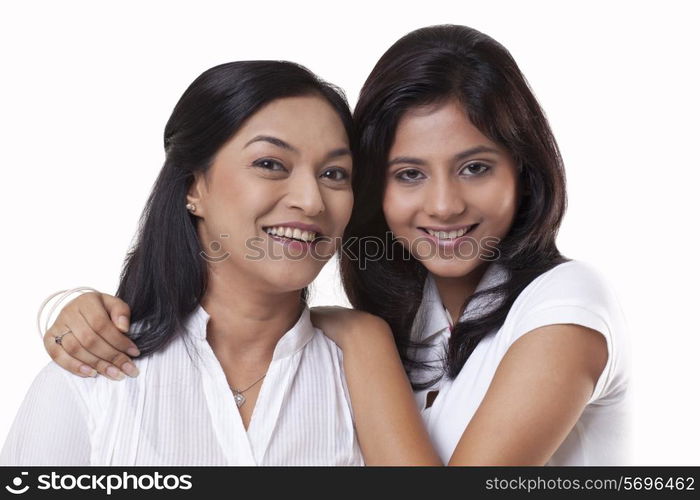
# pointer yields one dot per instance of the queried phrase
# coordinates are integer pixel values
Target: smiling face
(277, 197)
(450, 191)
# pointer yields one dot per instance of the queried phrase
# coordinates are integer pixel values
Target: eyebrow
(272, 140)
(459, 156)
(335, 153)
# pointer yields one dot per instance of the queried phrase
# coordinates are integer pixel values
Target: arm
(51, 425)
(536, 396)
(97, 323)
(390, 430)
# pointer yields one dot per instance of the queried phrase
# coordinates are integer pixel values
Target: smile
(448, 234)
(291, 233)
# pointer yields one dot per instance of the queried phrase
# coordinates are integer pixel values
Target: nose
(305, 193)
(444, 199)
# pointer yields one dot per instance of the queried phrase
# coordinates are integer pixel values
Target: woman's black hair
(164, 277)
(430, 66)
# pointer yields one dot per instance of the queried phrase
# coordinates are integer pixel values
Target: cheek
(233, 209)
(499, 203)
(221, 189)
(398, 208)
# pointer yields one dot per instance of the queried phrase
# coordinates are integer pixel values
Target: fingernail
(132, 351)
(112, 372)
(123, 323)
(87, 370)
(130, 369)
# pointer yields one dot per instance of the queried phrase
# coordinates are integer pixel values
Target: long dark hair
(164, 277)
(427, 66)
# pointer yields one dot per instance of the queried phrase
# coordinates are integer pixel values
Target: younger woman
(517, 354)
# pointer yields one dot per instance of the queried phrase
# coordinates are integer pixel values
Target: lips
(291, 233)
(447, 234)
(294, 231)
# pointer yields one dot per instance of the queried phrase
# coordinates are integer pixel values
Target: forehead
(304, 121)
(437, 127)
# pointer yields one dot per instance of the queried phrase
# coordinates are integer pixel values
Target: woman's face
(278, 195)
(451, 193)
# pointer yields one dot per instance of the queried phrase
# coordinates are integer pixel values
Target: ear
(196, 194)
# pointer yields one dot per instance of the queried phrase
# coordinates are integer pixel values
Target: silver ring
(59, 338)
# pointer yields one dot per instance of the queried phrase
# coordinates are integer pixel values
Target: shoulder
(570, 280)
(571, 286)
(51, 426)
(88, 394)
(54, 378)
(561, 301)
(572, 289)
(58, 391)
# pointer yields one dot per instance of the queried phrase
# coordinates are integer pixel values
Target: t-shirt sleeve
(51, 426)
(573, 293)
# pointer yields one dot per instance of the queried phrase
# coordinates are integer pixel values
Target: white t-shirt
(180, 411)
(569, 293)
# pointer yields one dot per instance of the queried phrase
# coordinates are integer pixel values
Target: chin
(288, 276)
(445, 268)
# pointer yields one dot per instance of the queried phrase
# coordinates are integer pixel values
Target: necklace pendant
(238, 398)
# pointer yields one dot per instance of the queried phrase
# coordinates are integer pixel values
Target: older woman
(249, 205)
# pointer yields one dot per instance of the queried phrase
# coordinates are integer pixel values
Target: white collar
(436, 318)
(292, 341)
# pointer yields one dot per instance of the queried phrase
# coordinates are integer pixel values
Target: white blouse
(569, 293)
(180, 410)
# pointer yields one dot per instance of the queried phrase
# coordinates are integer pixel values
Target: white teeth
(294, 233)
(445, 235)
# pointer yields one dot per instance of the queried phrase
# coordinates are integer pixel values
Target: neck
(454, 292)
(246, 327)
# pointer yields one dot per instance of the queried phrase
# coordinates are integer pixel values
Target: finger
(97, 313)
(64, 360)
(71, 346)
(118, 310)
(81, 361)
(70, 351)
(91, 341)
(85, 351)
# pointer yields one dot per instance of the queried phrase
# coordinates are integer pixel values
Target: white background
(86, 89)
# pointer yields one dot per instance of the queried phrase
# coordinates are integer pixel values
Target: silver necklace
(238, 396)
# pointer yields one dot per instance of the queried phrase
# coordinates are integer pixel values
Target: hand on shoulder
(92, 331)
(340, 324)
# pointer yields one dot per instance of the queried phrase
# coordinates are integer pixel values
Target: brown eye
(409, 175)
(335, 174)
(475, 168)
(268, 164)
